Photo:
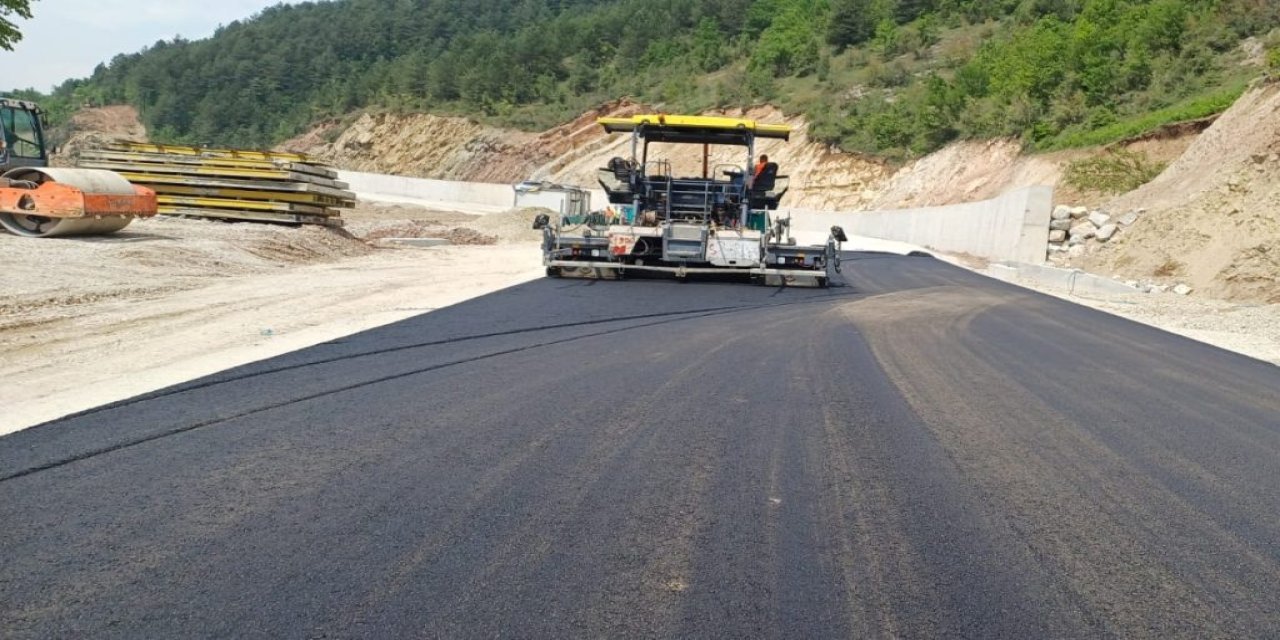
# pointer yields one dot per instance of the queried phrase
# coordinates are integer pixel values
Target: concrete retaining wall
(1014, 226)
(381, 187)
(479, 197)
(1072, 281)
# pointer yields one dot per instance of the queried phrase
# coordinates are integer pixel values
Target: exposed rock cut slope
(1213, 216)
(822, 177)
(459, 149)
(92, 127)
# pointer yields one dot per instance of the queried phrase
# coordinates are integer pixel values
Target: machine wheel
(553, 272)
(87, 180)
(42, 227)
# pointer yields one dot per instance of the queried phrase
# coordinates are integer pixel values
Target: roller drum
(42, 227)
(86, 180)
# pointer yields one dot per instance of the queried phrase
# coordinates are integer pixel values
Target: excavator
(39, 201)
(713, 220)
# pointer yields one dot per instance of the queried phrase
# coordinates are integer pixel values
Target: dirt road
(89, 321)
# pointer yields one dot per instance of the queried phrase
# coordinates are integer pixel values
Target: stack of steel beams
(233, 184)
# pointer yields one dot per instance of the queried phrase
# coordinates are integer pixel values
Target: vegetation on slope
(892, 77)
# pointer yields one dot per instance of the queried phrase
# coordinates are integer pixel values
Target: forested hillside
(894, 77)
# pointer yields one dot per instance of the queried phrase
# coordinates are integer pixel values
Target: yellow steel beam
(226, 172)
(130, 157)
(177, 149)
(154, 180)
(251, 194)
(246, 205)
(713, 123)
(257, 216)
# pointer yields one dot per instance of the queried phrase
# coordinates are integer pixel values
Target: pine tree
(852, 22)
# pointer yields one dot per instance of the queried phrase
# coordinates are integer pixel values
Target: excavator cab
(22, 143)
(38, 201)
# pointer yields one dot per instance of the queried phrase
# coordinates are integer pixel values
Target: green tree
(9, 34)
(852, 23)
(888, 37)
(790, 45)
(908, 10)
(708, 48)
(1041, 69)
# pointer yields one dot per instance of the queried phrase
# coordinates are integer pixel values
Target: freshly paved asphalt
(923, 453)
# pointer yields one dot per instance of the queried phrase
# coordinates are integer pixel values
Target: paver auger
(38, 201)
(720, 222)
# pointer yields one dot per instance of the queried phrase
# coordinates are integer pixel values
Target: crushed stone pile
(374, 222)
(425, 229)
(513, 225)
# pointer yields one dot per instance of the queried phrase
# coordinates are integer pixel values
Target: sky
(68, 38)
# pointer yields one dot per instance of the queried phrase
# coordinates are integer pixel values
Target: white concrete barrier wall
(556, 200)
(377, 186)
(484, 195)
(1014, 226)
(552, 200)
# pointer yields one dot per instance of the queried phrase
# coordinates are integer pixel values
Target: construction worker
(755, 175)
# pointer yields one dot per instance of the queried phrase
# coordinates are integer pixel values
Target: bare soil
(92, 320)
(1213, 217)
(91, 128)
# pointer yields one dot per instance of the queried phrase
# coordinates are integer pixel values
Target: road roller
(38, 201)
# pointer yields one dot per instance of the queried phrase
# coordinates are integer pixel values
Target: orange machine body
(59, 200)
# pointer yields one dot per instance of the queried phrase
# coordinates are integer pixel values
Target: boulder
(1158, 288)
(1061, 212)
(1106, 231)
(1060, 225)
(1079, 212)
(1128, 219)
(1182, 289)
(1082, 232)
(1099, 218)
(1057, 235)
(1075, 251)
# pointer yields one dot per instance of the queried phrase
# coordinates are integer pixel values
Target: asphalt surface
(922, 453)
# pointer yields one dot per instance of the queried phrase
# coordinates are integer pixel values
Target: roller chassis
(720, 223)
(37, 201)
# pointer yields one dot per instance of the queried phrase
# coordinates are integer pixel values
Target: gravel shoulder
(1247, 328)
(85, 322)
